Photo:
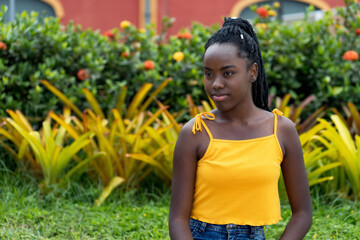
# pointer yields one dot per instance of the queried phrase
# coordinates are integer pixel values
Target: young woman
(227, 162)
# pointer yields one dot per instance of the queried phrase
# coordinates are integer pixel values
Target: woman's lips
(219, 97)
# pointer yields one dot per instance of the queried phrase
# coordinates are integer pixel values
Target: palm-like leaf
(135, 143)
(52, 157)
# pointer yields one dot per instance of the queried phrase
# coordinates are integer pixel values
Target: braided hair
(239, 32)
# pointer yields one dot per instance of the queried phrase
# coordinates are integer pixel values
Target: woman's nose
(218, 83)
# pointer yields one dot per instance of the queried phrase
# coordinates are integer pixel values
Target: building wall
(207, 12)
(100, 14)
(210, 12)
(107, 14)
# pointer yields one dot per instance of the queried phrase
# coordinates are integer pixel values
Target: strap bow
(277, 112)
(198, 120)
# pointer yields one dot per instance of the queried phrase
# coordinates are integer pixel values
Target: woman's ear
(253, 72)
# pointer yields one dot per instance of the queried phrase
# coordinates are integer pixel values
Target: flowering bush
(32, 49)
(304, 58)
(313, 57)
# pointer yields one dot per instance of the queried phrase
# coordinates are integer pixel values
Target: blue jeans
(207, 231)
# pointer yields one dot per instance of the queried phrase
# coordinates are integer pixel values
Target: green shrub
(72, 59)
(306, 57)
(43, 49)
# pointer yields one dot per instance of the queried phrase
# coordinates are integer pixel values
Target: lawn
(137, 214)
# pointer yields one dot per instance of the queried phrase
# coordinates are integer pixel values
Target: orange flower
(351, 56)
(187, 35)
(179, 35)
(125, 24)
(261, 25)
(263, 12)
(272, 13)
(149, 65)
(110, 34)
(184, 35)
(3, 46)
(178, 56)
(125, 54)
(83, 74)
(357, 31)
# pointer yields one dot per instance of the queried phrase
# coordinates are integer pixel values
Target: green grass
(69, 214)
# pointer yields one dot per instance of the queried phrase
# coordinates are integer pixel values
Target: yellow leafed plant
(338, 137)
(136, 142)
(48, 148)
(333, 141)
(15, 144)
(351, 119)
(319, 160)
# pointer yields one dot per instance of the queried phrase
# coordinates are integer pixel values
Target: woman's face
(227, 77)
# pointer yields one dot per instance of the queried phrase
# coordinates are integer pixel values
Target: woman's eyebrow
(228, 66)
(222, 68)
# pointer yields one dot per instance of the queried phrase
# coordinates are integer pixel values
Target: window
(288, 11)
(27, 5)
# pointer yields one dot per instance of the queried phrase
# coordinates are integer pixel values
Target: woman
(225, 178)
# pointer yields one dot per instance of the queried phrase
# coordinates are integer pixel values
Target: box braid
(239, 32)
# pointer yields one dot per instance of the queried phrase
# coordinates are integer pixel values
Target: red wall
(107, 14)
(335, 3)
(100, 14)
(205, 11)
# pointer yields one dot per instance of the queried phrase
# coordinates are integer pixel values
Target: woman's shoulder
(286, 132)
(284, 124)
(193, 137)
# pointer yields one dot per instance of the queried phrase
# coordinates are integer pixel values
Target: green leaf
(140, 95)
(93, 103)
(62, 97)
(115, 182)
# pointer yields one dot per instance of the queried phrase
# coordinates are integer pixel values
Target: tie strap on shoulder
(277, 112)
(199, 121)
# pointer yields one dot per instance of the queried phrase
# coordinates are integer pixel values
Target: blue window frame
(287, 7)
(28, 5)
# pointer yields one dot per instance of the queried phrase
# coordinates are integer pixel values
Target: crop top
(237, 180)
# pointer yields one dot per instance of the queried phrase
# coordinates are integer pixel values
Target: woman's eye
(228, 74)
(207, 74)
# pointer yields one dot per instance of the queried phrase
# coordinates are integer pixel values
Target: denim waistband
(224, 228)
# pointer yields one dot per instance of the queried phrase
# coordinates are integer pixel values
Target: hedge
(302, 59)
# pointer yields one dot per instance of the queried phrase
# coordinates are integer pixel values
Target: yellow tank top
(237, 180)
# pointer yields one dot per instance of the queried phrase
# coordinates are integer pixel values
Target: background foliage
(303, 58)
(118, 133)
(306, 57)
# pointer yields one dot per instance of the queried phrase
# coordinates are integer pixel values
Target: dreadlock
(239, 32)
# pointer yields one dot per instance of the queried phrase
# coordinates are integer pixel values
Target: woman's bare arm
(296, 181)
(183, 183)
